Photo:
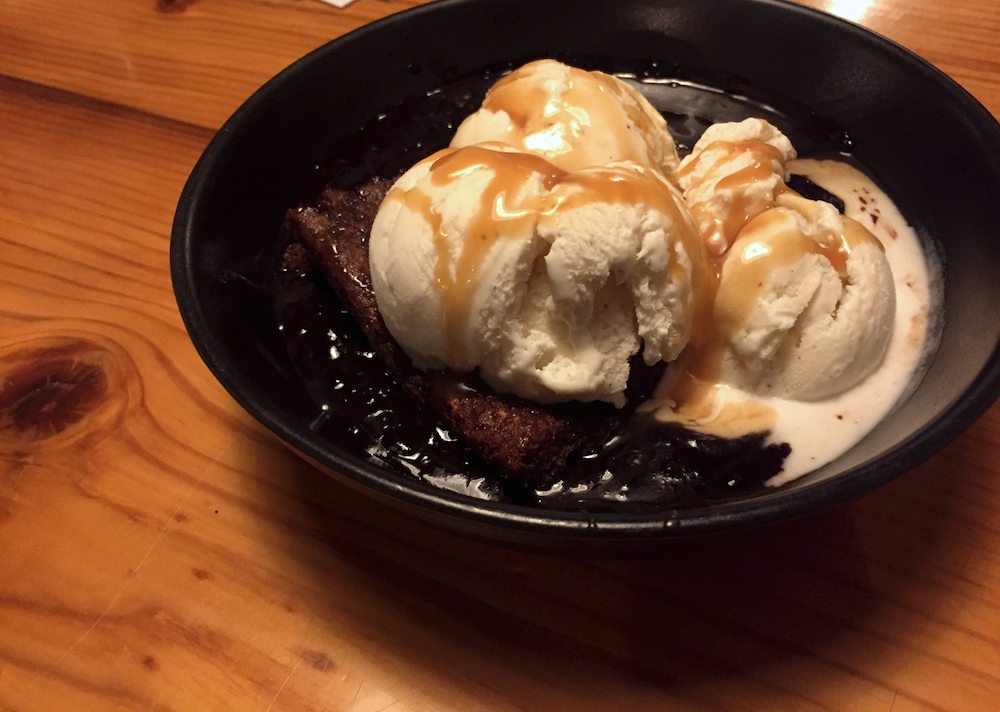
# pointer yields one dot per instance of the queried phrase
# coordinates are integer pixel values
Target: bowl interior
(926, 141)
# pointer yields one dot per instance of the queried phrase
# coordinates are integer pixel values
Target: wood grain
(160, 551)
(196, 64)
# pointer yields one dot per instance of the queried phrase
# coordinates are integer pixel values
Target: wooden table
(159, 550)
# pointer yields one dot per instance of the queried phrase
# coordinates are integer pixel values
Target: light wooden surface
(160, 551)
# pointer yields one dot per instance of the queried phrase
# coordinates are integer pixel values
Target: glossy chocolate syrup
(642, 466)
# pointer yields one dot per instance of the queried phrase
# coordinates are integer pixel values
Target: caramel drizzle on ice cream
(770, 241)
(718, 232)
(747, 238)
(553, 124)
(509, 207)
(767, 244)
(504, 210)
(524, 192)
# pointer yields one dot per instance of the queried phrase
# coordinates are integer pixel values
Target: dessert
(532, 306)
(733, 174)
(571, 117)
(823, 429)
(806, 302)
(546, 281)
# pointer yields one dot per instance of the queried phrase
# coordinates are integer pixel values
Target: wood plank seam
(55, 95)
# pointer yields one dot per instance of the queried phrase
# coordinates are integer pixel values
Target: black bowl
(928, 142)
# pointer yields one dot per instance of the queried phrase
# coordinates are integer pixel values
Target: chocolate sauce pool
(642, 466)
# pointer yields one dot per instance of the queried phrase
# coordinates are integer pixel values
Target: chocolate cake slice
(523, 440)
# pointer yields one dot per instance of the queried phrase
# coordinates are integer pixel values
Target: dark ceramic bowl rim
(432, 503)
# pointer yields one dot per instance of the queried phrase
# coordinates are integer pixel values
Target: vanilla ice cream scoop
(546, 281)
(572, 117)
(733, 174)
(806, 302)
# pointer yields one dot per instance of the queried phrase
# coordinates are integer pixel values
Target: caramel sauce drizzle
(720, 233)
(509, 208)
(503, 210)
(768, 239)
(543, 123)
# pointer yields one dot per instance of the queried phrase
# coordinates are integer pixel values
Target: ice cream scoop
(805, 304)
(572, 117)
(733, 174)
(545, 280)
